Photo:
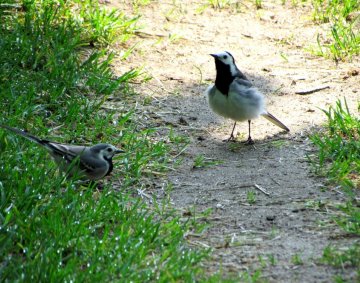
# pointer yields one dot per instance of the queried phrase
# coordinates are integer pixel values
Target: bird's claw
(249, 141)
(230, 139)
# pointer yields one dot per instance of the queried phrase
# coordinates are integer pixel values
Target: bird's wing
(249, 95)
(243, 82)
(79, 161)
(94, 166)
(240, 75)
(275, 121)
(64, 152)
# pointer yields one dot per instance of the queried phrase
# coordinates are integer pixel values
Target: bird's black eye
(109, 149)
(225, 57)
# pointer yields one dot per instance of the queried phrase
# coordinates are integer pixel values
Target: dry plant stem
(261, 189)
(310, 91)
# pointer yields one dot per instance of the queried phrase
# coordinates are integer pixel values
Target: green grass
(105, 27)
(251, 197)
(258, 4)
(55, 76)
(341, 258)
(272, 259)
(297, 260)
(221, 5)
(325, 11)
(339, 146)
(201, 161)
(338, 159)
(68, 234)
(344, 33)
(252, 277)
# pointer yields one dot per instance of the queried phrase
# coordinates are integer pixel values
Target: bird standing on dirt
(233, 95)
(90, 163)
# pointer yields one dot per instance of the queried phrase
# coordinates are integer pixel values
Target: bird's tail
(24, 134)
(275, 121)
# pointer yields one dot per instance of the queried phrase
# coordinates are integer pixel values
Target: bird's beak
(117, 151)
(214, 55)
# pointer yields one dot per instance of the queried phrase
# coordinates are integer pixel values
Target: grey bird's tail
(275, 121)
(25, 135)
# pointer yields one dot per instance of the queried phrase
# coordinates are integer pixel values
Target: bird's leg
(232, 138)
(93, 185)
(249, 140)
(100, 186)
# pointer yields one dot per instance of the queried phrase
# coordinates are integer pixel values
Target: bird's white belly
(234, 106)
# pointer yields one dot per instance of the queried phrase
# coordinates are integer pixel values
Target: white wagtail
(90, 163)
(233, 95)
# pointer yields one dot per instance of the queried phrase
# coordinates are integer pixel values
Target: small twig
(186, 185)
(201, 74)
(175, 79)
(56, 128)
(157, 80)
(181, 152)
(142, 193)
(241, 186)
(305, 92)
(276, 238)
(161, 114)
(154, 172)
(261, 189)
(336, 190)
(246, 35)
(198, 243)
(276, 182)
(10, 6)
(144, 34)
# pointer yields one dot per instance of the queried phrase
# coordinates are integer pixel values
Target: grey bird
(233, 95)
(89, 163)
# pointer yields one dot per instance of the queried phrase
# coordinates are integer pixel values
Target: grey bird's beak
(117, 151)
(214, 55)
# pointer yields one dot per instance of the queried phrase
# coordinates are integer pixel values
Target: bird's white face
(227, 59)
(109, 151)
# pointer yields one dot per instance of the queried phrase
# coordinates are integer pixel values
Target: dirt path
(284, 230)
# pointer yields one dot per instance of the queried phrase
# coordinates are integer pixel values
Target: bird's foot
(249, 141)
(100, 186)
(93, 185)
(230, 139)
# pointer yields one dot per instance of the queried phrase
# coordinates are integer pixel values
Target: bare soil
(292, 217)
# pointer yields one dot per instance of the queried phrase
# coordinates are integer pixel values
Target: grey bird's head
(225, 57)
(225, 62)
(226, 71)
(105, 150)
